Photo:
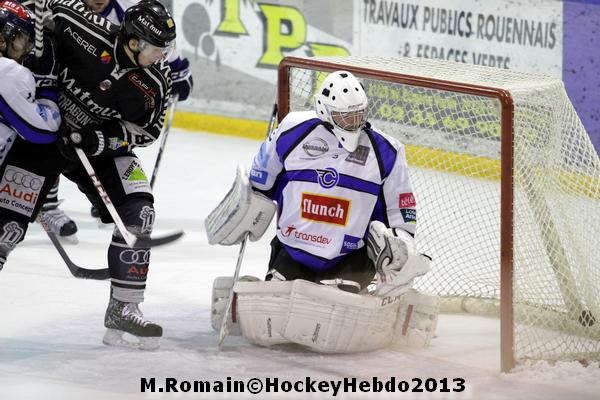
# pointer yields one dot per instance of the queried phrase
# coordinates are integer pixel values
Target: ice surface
(51, 324)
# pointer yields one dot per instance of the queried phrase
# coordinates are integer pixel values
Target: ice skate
(60, 223)
(126, 327)
(95, 213)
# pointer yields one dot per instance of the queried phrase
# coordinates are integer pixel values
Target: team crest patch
(133, 177)
(328, 177)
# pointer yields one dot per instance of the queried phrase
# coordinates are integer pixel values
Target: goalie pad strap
(417, 319)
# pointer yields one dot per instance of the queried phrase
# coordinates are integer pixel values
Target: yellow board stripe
(422, 157)
(220, 125)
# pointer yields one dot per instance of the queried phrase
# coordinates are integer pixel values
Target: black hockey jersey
(102, 91)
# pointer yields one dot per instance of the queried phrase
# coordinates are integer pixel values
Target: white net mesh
(453, 142)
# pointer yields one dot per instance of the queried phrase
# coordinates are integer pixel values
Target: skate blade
(71, 239)
(114, 337)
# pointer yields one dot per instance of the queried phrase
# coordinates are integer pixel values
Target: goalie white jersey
(325, 195)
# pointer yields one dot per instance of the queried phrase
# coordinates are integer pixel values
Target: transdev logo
(258, 176)
(105, 57)
(325, 209)
(407, 200)
(312, 239)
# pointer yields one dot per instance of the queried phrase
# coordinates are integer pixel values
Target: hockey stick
(164, 134)
(131, 239)
(224, 323)
(76, 271)
(39, 28)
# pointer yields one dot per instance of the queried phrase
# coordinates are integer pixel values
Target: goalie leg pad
(221, 291)
(262, 308)
(243, 211)
(417, 319)
(330, 320)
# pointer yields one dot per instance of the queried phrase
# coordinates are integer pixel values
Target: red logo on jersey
(407, 200)
(330, 210)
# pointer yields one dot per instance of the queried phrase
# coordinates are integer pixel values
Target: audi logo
(138, 257)
(22, 179)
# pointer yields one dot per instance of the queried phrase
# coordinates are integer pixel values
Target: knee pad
(138, 215)
(11, 234)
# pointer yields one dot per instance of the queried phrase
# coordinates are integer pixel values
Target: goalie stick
(224, 331)
(130, 238)
(163, 140)
(76, 271)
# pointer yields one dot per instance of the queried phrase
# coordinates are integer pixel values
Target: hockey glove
(182, 78)
(396, 260)
(87, 139)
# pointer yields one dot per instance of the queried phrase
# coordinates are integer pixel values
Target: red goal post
(466, 118)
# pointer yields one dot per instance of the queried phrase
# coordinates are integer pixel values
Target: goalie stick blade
(142, 242)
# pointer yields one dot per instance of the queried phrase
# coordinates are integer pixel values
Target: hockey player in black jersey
(114, 87)
(29, 121)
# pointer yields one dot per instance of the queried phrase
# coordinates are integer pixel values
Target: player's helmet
(342, 102)
(17, 27)
(150, 21)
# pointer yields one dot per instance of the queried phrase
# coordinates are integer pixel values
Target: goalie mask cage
(507, 184)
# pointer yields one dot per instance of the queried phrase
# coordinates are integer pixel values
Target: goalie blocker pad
(328, 320)
(243, 211)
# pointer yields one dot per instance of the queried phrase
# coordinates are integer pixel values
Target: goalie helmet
(17, 28)
(342, 102)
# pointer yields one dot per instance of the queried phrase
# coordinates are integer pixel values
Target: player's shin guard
(11, 234)
(128, 271)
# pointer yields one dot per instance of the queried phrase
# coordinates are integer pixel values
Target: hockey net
(507, 184)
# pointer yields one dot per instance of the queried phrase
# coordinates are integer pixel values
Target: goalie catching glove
(242, 212)
(396, 260)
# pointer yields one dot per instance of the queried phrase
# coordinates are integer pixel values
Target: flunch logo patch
(329, 210)
(407, 200)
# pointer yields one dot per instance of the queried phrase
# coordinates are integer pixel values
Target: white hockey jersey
(326, 196)
(35, 120)
(115, 11)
